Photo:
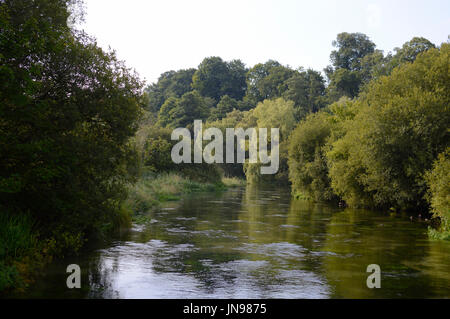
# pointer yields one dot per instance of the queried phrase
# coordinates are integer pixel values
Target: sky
(154, 36)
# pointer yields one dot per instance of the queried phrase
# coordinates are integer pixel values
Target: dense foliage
(67, 112)
(438, 181)
(378, 149)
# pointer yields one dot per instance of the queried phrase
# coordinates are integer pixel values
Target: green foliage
(401, 126)
(225, 105)
(438, 181)
(20, 250)
(267, 81)
(308, 170)
(181, 112)
(349, 64)
(306, 89)
(157, 150)
(170, 84)
(17, 238)
(351, 48)
(233, 119)
(153, 189)
(9, 276)
(215, 78)
(277, 113)
(68, 110)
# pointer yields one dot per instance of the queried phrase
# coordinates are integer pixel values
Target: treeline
(367, 134)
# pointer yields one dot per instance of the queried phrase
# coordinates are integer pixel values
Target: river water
(258, 242)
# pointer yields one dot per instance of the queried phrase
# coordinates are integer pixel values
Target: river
(258, 242)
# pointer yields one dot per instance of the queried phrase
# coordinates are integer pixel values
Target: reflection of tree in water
(260, 241)
(101, 278)
(358, 238)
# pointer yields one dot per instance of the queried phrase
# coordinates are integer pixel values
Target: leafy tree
(67, 112)
(375, 65)
(344, 82)
(411, 49)
(306, 89)
(351, 48)
(348, 72)
(277, 113)
(267, 81)
(308, 144)
(307, 164)
(225, 105)
(438, 181)
(216, 78)
(166, 113)
(170, 84)
(157, 150)
(181, 112)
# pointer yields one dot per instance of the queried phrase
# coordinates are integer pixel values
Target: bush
(18, 241)
(438, 181)
(308, 146)
(308, 170)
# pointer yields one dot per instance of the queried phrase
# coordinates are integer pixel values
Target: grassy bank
(233, 182)
(24, 252)
(154, 189)
(22, 255)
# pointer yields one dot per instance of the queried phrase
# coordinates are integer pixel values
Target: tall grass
(17, 238)
(17, 241)
(233, 181)
(152, 190)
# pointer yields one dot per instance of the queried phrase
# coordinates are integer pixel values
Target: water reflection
(259, 243)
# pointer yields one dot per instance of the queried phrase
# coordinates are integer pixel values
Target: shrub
(438, 181)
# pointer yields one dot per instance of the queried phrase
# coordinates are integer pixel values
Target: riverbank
(24, 253)
(152, 190)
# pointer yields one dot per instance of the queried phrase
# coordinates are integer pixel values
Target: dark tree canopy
(67, 111)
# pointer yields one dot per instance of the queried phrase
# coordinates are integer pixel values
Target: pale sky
(154, 36)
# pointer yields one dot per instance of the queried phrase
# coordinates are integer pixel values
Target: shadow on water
(257, 242)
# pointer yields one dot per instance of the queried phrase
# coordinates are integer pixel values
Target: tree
(375, 65)
(225, 105)
(438, 181)
(277, 113)
(267, 81)
(170, 84)
(401, 127)
(157, 149)
(181, 112)
(308, 145)
(411, 49)
(351, 48)
(216, 78)
(308, 171)
(67, 112)
(348, 73)
(306, 89)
